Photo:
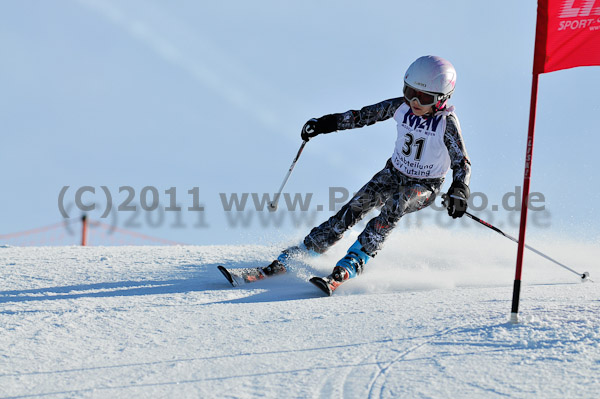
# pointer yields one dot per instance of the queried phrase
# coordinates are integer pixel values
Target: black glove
(456, 199)
(324, 124)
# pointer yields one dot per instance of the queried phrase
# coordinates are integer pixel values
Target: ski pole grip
(445, 201)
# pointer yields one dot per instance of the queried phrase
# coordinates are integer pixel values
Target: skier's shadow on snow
(98, 290)
(203, 278)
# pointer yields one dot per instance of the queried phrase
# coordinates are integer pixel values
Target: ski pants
(396, 194)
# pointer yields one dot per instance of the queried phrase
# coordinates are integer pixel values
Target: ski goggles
(423, 97)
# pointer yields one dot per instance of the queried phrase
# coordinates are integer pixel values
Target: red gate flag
(567, 35)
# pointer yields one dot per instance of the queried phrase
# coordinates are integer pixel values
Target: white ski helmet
(432, 75)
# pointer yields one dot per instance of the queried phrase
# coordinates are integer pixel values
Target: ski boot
(330, 283)
(348, 267)
(237, 277)
(280, 264)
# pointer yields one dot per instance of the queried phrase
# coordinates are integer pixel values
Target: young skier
(429, 143)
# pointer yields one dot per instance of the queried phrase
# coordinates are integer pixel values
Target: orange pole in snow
(84, 230)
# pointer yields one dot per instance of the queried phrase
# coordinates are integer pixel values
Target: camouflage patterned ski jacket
(459, 160)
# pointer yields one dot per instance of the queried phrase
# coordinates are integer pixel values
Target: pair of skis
(237, 277)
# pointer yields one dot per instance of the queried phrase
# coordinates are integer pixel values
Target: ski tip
(227, 275)
(322, 285)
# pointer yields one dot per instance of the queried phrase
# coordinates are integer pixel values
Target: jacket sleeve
(459, 159)
(368, 115)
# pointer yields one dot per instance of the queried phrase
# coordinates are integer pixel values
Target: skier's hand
(456, 199)
(314, 127)
(310, 129)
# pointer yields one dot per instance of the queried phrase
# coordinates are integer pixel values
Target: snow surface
(124, 322)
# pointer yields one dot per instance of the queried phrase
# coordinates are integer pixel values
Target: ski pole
(584, 276)
(273, 204)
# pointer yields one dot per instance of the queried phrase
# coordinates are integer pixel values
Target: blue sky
(213, 95)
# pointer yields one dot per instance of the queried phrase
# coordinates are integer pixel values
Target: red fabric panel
(567, 35)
